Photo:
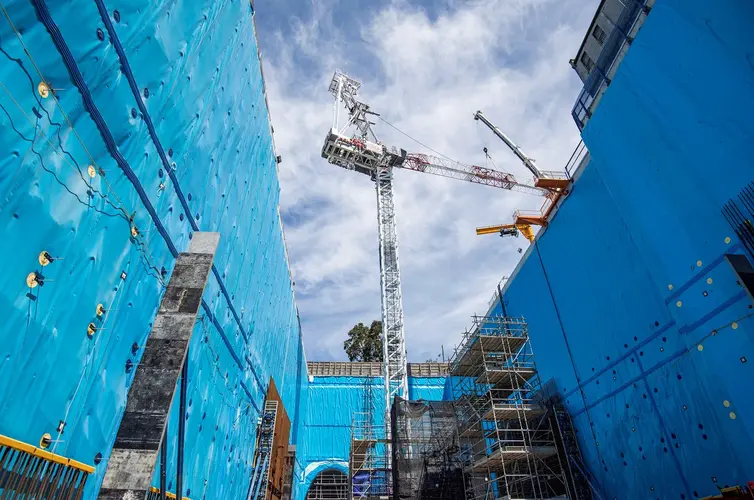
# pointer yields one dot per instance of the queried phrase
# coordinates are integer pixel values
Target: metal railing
(154, 494)
(344, 369)
(579, 155)
(371, 369)
(553, 174)
(30, 472)
(427, 369)
(492, 303)
(608, 61)
(527, 213)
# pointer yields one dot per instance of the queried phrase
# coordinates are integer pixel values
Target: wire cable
(416, 140)
(62, 111)
(212, 357)
(151, 268)
(41, 108)
(37, 132)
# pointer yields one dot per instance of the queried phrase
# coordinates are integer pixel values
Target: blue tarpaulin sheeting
(635, 316)
(165, 100)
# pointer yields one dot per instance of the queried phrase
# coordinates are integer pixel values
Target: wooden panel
(279, 445)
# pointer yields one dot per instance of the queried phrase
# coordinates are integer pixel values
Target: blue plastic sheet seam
(126, 67)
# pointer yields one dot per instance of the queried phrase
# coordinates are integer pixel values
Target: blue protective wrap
(636, 318)
(166, 101)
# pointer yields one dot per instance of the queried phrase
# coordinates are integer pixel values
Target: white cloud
(427, 75)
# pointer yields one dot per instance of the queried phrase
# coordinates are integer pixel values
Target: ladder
(261, 473)
(578, 485)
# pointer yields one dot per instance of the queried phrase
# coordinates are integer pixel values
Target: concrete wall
(634, 313)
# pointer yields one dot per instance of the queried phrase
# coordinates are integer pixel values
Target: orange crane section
(555, 184)
(508, 230)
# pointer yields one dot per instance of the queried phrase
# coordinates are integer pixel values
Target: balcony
(614, 49)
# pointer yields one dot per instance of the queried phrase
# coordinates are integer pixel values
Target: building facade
(127, 127)
(638, 303)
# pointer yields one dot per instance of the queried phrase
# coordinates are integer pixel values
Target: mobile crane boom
(528, 162)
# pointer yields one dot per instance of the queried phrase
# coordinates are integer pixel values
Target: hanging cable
(212, 357)
(149, 265)
(569, 351)
(62, 111)
(416, 140)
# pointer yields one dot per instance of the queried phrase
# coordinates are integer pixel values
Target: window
(599, 34)
(587, 61)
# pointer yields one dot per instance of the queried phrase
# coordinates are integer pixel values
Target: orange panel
(552, 183)
(279, 446)
(532, 220)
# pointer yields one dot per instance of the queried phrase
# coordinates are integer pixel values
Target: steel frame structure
(374, 162)
(394, 342)
(368, 462)
(426, 461)
(452, 169)
(509, 447)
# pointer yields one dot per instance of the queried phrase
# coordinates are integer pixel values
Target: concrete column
(132, 461)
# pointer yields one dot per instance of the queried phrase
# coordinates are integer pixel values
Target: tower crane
(361, 152)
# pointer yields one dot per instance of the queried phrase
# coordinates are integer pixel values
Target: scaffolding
(508, 445)
(368, 460)
(330, 484)
(261, 472)
(426, 459)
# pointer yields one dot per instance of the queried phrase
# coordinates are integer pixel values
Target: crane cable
(417, 141)
(487, 157)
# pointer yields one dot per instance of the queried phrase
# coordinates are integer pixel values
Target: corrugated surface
(634, 262)
(160, 93)
(330, 405)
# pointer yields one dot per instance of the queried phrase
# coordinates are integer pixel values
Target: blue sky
(426, 67)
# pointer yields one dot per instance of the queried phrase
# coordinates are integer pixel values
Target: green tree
(364, 344)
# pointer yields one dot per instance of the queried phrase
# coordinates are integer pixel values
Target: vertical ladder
(577, 483)
(261, 473)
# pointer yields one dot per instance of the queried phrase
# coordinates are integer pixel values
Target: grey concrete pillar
(132, 461)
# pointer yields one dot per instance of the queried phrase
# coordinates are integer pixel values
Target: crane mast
(371, 158)
(393, 340)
